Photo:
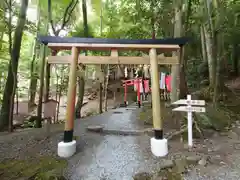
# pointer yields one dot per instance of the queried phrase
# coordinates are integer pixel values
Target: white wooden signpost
(192, 106)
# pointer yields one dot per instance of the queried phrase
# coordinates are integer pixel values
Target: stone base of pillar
(66, 150)
(159, 147)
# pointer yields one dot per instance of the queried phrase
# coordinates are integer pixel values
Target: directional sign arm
(190, 109)
(191, 102)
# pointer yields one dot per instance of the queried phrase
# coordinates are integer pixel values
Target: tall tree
(177, 33)
(81, 78)
(34, 77)
(11, 83)
(56, 29)
(183, 89)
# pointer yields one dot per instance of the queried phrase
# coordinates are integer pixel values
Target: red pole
(125, 94)
(138, 93)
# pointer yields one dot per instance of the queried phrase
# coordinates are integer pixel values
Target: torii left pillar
(67, 147)
(159, 145)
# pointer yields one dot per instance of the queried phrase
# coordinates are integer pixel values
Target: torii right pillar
(159, 145)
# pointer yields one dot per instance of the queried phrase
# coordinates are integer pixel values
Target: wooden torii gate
(159, 146)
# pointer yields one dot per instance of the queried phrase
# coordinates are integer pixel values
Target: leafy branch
(66, 17)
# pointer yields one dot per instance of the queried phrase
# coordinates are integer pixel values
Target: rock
(149, 131)
(167, 164)
(216, 148)
(215, 134)
(203, 162)
(123, 132)
(142, 176)
(190, 149)
(193, 159)
(167, 174)
(168, 105)
(223, 133)
(180, 165)
(210, 150)
(215, 159)
(222, 163)
(232, 135)
(95, 128)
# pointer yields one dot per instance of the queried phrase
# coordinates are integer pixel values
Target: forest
(209, 64)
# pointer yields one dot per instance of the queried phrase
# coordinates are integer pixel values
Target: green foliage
(215, 118)
(42, 168)
(78, 30)
(129, 19)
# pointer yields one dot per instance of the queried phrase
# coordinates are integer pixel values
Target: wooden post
(159, 145)
(138, 93)
(100, 107)
(157, 118)
(125, 93)
(100, 97)
(71, 97)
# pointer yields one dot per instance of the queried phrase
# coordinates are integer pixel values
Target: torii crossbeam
(159, 146)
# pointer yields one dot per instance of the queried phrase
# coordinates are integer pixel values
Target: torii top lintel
(64, 43)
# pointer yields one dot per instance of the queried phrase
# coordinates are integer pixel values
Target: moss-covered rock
(143, 176)
(173, 171)
(169, 174)
(41, 168)
(214, 118)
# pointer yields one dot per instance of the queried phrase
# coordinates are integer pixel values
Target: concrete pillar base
(66, 150)
(159, 147)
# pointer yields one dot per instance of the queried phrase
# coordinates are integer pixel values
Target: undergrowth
(41, 168)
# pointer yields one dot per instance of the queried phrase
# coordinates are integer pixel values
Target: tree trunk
(235, 54)
(235, 59)
(100, 98)
(1, 39)
(33, 88)
(210, 43)
(34, 77)
(218, 79)
(218, 49)
(210, 58)
(146, 72)
(3, 14)
(41, 87)
(120, 72)
(183, 88)
(81, 85)
(81, 82)
(203, 43)
(42, 55)
(47, 80)
(106, 88)
(10, 88)
(85, 19)
(175, 68)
